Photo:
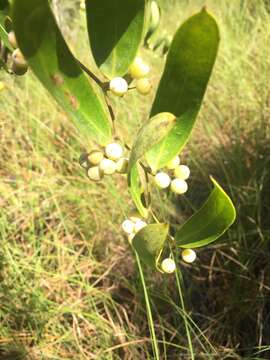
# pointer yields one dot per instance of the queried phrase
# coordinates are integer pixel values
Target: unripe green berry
(189, 255)
(143, 86)
(107, 166)
(114, 151)
(12, 39)
(179, 186)
(122, 166)
(118, 86)
(128, 226)
(173, 163)
(182, 172)
(162, 180)
(138, 68)
(95, 157)
(168, 266)
(140, 224)
(94, 173)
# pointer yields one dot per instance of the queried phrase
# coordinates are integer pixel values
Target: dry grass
(69, 286)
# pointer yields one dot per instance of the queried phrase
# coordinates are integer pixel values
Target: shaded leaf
(209, 222)
(3, 32)
(150, 134)
(48, 55)
(182, 86)
(115, 31)
(150, 241)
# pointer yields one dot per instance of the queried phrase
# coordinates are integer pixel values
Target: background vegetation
(69, 287)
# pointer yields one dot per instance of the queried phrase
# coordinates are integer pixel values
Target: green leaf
(115, 29)
(182, 86)
(149, 242)
(151, 133)
(209, 222)
(3, 32)
(136, 188)
(48, 55)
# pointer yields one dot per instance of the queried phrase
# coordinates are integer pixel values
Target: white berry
(179, 186)
(95, 157)
(188, 255)
(168, 265)
(107, 166)
(173, 163)
(114, 151)
(94, 173)
(122, 165)
(139, 224)
(182, 172)
(162, 180)
(128, 226)
(143, 86)
(118, 86)
(138, 68)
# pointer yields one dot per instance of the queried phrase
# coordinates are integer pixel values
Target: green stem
(179, 279)
(149, 312)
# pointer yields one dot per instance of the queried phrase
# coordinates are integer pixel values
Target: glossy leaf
(209, 222)
(149, 242)
(115, 29)
(151, 133)
(136, 188)
(48, 55)
(182, 86)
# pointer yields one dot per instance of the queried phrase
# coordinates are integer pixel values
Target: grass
(70, 288)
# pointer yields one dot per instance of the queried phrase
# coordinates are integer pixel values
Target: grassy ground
(69, 284)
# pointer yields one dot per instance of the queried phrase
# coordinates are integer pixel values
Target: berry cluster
(180, 173)
(132, 225)
(168, 264)
(138, 71)
(104, 162)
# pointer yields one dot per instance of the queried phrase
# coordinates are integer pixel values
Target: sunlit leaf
(181, 89)
(209, 222)
(49, 57)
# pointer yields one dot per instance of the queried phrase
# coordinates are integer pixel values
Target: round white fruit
(122, 165)
(138, 68)
(182, 172)
(107, 166)
(95, 157)
(168, 266)
(114, 151)
(162, 180)
(179, 186)
(139, 224)
(188, 255)
(173, 163)
(94, 173)
(143, 86)
(128, 226)
(118, 86)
